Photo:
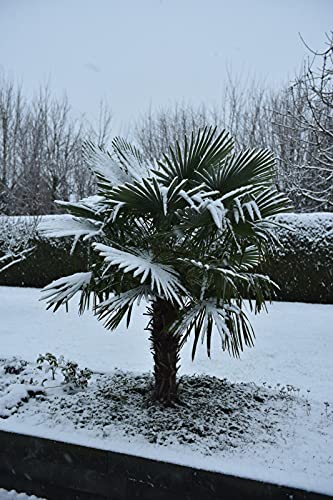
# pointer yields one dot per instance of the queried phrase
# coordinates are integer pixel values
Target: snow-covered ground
(294, 342)
(14, 495)
(286, 438)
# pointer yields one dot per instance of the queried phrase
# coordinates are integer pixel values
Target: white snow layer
(162, 277)
(59, 227)
(14, 495)
(294, 346)
(12, 397)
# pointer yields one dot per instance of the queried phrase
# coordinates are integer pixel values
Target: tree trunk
(165, 347)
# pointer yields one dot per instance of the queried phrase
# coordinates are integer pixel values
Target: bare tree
(99, 132)
(40, 151)
(155, 130)
(303, 119)
(245, 111)
(295, 122)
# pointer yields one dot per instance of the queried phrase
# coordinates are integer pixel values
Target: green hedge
(302, 266)
(49, 261)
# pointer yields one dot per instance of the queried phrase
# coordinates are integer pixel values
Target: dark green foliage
(50, 260)
(303, 265)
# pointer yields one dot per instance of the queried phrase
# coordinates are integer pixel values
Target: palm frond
(146, 196)
(227, 319)
(250, 167)
(164, 280)
(131, 158)
(113, 310)
(61, 291)
(64, 225)
(248, 260)
(149, 196)
(90, 208)
(104, 166)
(200, 204)
(205, 150)
(270, 202)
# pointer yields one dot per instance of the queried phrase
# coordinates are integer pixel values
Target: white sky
(137, 53)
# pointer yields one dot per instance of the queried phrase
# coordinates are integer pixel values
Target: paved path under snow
(294, 343)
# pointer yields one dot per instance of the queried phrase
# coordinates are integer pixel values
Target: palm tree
(186, 235)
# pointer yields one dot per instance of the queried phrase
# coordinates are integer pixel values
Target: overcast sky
(137, 53)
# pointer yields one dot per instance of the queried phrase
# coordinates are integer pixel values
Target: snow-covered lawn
(258, 432)
(294, 343)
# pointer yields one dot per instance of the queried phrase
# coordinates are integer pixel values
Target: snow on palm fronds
(62, 226)
(131, 159)
(103, 165)
(61, 291)
(123, 164)
(88, 207)
(163, 278)
(201, 201)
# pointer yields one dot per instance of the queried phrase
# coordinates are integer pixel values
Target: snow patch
(14, 495)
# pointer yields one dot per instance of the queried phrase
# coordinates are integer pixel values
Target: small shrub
(73, 376)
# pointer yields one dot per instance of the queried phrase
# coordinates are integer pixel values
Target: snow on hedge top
(308, 230)
(311, 227)
(311, 219)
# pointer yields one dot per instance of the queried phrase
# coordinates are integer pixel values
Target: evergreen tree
(186, 235)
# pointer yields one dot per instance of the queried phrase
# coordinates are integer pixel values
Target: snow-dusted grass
(243, 429)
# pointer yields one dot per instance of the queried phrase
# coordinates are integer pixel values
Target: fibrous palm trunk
(165, 347)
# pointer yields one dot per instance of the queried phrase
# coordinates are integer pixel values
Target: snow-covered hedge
(50, 260)
(302, 266)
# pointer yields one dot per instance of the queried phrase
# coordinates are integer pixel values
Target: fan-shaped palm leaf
(229, 320)
(164, 280)
(131, 158)
(250, 167)
(89, 208)
(61, 291)
(206, 149)
(62, 226)
(113, 310)
(108, 171)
